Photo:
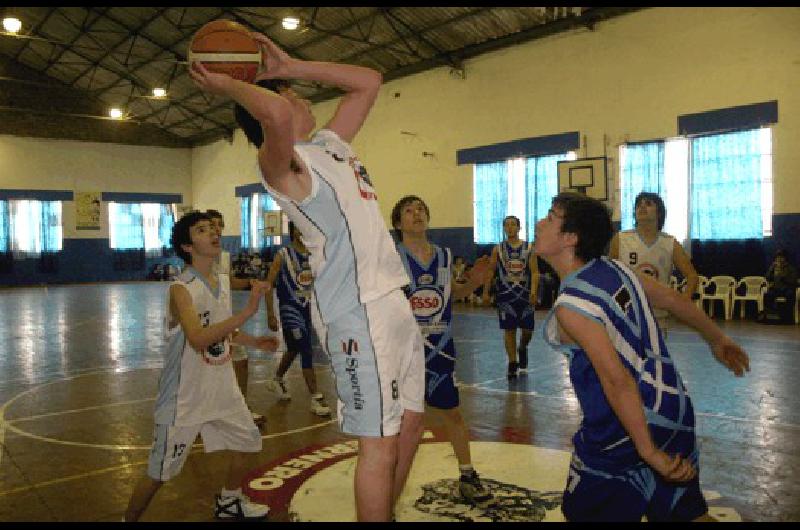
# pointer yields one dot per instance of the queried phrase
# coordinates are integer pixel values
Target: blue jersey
(609, 292)
(513, 275)
(295, 281)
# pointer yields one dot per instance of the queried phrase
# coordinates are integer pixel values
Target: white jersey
(353, 257)
(654, 260)
(197, 387)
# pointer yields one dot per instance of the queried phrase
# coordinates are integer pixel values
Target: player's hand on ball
(732, 356)
(207, 81)
(276, 62)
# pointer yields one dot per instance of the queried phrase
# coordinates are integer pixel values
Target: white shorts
(238, 353)
(378, 360)
(171, 444)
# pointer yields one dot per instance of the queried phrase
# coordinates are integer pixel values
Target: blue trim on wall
(729, 119)
(160, 198)
(535, 146)
(249, 189)
(38, 195)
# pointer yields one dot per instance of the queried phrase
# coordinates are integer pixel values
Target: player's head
(194, 233)
(643, 207)
(300, 107)
(574, 214)
(410, 213)
(216, 219)
(511, 225)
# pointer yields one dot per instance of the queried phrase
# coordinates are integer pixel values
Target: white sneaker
(318, 406)
(278, 386)
(238, 508)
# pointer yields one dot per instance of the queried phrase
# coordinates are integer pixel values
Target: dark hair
(180, 233)
(587, 218)
(396, 211)
(251, 126)
(661, 209)
(214, 214)
(507, 217)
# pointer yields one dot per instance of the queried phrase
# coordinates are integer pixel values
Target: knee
(377, 452)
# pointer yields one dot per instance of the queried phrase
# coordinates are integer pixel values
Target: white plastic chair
(756, 287)
(723, 292)
(702, 283)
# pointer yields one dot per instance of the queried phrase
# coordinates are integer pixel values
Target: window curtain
(165, 223)
(642, 170)
(726, 186)
(50, 226)
(541, 184)
(5, 224)
(126, 226)
(490, 192)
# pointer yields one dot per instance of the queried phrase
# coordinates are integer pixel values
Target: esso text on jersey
(426, 302)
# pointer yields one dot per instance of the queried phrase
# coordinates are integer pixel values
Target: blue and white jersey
(295, 282)
(197, 387)
(353, 257)
(513, 275)
(608, 292)
(429, 291)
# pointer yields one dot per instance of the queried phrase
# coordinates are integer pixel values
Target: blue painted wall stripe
(161, 198)
(535, 146)
(39, 195)
(729, 119)
(249, 189)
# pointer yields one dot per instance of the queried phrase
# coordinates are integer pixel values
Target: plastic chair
(723, 292)
(702, 283)
(756, 286)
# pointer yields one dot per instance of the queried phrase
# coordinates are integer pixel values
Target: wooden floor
(78, 376)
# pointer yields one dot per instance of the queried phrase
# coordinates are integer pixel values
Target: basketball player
(648, 250)
(360, 313)
(517, 283)
(635, 452)
(431, 293)
(291, 270)
(197, 391)
(238, 351)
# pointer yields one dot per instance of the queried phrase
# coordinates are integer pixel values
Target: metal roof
(69, 65)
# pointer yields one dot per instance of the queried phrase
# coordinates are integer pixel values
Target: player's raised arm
(360, 85)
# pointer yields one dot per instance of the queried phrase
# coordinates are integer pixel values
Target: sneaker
(238, 508)
(318, 406)
(278, 386)
(512, 370)
(522, 353)
(258, 419)
(473, 491)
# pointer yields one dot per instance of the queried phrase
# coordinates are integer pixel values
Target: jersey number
(633, 257)
(178, 450)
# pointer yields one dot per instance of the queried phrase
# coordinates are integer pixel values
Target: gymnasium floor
(79, 372)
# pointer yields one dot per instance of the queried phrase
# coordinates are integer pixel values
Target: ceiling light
(12, 24)
(115, 113)
(290, 23)
(159, 93)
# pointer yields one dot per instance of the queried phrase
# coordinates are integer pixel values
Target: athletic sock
(231, 493)
(466, 470)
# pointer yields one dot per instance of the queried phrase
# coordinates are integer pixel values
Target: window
(30, 227)
(523, 187)
(145, 226)
(252, 212)
(714, 187)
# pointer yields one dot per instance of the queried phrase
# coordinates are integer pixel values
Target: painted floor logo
(315, 484)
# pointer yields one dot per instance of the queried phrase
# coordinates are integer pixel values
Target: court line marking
(8, 424)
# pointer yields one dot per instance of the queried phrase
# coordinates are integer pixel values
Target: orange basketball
(226, 47)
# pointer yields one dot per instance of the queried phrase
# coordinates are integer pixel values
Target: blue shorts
(440, 390)
(516, 314)
(296, 325)
(594, 495)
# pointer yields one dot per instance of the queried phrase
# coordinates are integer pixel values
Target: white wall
(35, 163)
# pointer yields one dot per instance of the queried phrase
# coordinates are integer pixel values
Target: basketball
(226, 47)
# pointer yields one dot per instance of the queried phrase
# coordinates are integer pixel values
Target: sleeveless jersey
(654, 260)
(197, 387)
(353, 257)
(295, 287)
(513, 281)
(608, 292)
